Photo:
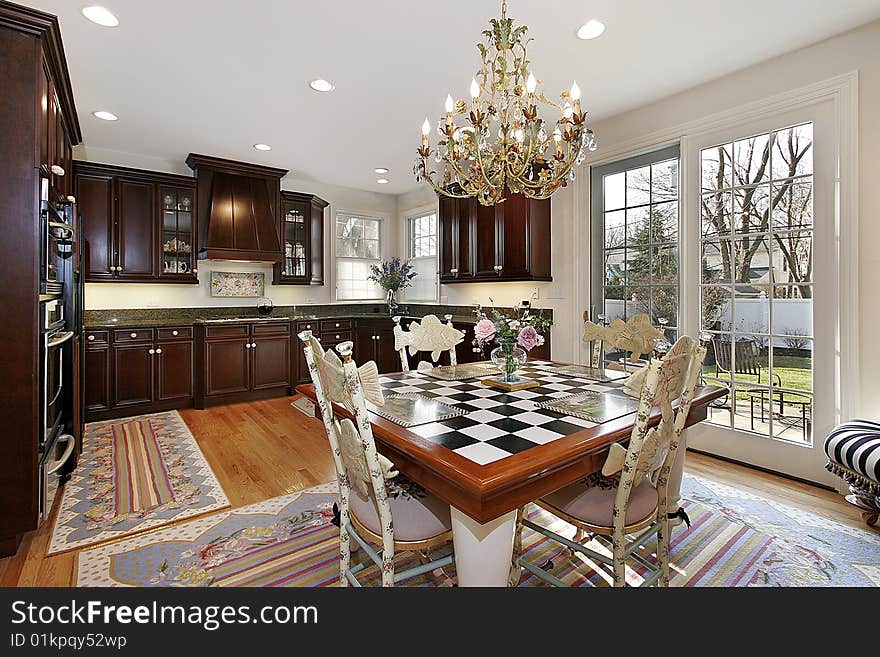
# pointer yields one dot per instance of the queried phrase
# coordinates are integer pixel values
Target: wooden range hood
(239, 209)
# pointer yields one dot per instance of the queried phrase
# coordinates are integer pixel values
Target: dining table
(504, 449)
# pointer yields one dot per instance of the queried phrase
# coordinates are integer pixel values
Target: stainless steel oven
(54, 347)
(52, 471)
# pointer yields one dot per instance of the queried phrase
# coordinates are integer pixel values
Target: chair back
(430, 334)
(651, 451)
(745, 356)
(636, 335)
(360, 469)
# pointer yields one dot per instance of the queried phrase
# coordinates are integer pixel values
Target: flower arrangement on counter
(392, 276)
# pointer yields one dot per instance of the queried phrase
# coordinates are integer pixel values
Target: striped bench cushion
(853, 448)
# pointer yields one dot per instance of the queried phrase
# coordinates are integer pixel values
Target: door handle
(64, 337)
(71, 443)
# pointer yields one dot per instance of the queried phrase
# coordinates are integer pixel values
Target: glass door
(177, 232)
(762, 201)
(295, 241)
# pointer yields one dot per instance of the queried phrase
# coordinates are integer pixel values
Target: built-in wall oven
(52, 470)
(56, 343)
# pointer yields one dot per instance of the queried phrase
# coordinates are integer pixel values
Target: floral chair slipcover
(376, 503)
(630, 495)
(428, 335)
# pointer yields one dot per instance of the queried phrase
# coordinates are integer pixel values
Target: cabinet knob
(253, 345)
(91, 338)
(57, 170)
(454, 272)
(134, 335)
(337, 335)
(151, 352)
(71, 198)
(158, 351)
(337, 326)
(308, 326)
(247, 345)
(174, 332)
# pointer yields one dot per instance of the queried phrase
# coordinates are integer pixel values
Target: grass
(795, 373)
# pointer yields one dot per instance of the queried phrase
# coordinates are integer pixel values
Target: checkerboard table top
(499, 424)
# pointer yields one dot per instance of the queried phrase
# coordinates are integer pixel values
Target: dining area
(454, 456)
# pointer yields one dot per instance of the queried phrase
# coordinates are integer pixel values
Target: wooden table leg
(482, 552)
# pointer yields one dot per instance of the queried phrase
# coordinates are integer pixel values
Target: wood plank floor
(266, 448)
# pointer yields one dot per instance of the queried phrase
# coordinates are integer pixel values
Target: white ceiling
(217, 76)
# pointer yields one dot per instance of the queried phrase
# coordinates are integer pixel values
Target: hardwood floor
(266, 448)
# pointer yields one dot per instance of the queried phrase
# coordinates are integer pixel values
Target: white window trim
(406, 241)
(383, 249)
(842, 92)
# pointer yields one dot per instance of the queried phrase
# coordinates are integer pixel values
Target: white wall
(133, 295)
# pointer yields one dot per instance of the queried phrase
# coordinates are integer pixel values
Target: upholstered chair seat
(592, 503)
(418, 516)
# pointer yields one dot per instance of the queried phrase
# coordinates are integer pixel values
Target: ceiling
(217, 76)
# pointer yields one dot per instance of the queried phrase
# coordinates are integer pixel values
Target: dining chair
(430, 334)
(627, 503)
(377, 505)
(636, 335)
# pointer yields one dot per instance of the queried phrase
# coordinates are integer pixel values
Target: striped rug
(140, 479)
(134, 474)
(736, 539)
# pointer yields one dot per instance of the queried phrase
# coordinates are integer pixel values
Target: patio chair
(628, 501)
(377, 505)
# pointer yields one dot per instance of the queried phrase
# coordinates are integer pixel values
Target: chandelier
(498, 141)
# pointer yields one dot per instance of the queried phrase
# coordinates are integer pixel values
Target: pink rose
(528, 338)
(484, 330)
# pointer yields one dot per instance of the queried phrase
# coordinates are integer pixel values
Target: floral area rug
(736, 539)
(134, 474)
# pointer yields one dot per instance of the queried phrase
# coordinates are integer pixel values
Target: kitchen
(160, 300)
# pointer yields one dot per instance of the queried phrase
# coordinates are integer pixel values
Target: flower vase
(508, 358)
(391, 301)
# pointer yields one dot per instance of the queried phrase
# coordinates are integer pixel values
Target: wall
(131, 295)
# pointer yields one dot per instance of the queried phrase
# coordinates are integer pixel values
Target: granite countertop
(189, 320)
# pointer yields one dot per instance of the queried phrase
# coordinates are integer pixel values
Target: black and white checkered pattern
(498, 423)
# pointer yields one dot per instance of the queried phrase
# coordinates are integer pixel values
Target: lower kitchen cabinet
(241, 362)
(374, 340)
(135, 371)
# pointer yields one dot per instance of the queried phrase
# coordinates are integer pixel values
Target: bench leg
(867, 502)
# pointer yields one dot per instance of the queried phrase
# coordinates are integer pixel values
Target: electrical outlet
(536, 293)
(310, 301)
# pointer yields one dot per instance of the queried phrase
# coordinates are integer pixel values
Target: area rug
(304, 405)
(134, 474)
(736, 539)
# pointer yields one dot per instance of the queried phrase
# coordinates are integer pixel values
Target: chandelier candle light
(500, 142)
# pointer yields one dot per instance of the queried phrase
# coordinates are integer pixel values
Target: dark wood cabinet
(239, 362)
(302, 240)
(509, 241)
(138, 226)
(374, 340)
(132, 370)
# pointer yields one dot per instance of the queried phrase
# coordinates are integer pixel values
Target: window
(358, 247)
(635, 252)
(422, 254)
(756, 279)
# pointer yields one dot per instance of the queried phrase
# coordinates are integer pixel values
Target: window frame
(353, 214)
(409, 238)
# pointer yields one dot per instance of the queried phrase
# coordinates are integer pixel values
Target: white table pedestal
(482, 552)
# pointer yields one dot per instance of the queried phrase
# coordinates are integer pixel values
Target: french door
(760, 286)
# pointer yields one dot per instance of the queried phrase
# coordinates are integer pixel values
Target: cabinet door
(447, 222)
(271, 362)
(364, 342)
(514, 236)
(94, 196)
(97, 380)
(132, 374)
(486, 233)
(464, 237)
(387, 359)
(227, 366)
(174, 370)
(45, 88)
(136, 230)
(316, 239)
(177, 252)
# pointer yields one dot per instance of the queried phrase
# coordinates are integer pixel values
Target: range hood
(238, 208)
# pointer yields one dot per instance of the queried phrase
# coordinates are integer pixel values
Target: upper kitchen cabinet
(238, 207)
(302, 234)
(509, 241)
(138, 226)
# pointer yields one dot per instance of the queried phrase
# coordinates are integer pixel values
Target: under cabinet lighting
(100, 15)
(591, 29)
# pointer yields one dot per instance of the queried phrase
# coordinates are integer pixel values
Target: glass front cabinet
(302, 240)
(178, 235)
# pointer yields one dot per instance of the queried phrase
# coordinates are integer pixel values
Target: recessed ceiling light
(383, 181)
(321, 85)
(105, 116)
(100, 15)
(263, 147)
(381, 170)
(591, 29)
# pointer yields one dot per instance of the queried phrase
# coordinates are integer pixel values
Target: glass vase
(508, 358)
(391, 301)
